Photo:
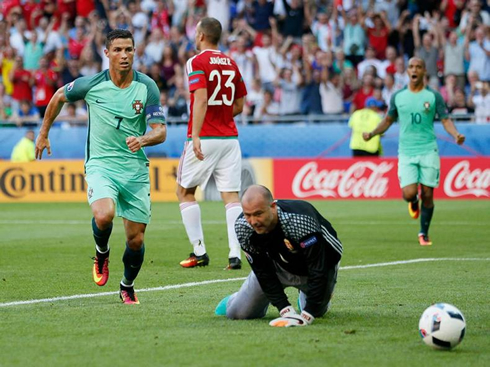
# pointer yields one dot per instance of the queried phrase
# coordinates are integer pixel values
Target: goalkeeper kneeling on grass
(288, 244)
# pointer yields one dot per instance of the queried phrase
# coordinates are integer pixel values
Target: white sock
(233, 210)
(191, 217)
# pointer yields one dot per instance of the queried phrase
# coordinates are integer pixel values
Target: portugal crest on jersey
(137, 107)
(427, 106)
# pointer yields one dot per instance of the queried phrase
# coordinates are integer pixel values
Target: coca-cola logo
(362, 179)
(461, 181)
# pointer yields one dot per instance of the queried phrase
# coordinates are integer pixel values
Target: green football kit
(418, 156)
(112, 170)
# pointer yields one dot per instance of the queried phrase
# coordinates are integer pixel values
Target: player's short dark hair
(418, 59)
(212, 29)
(118, 33)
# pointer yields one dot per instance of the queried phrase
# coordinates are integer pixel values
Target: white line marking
(57, 222)
(192, 284)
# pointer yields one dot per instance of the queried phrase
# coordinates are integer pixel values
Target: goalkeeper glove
(289, 318)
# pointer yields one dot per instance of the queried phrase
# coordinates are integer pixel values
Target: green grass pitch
(46, 250)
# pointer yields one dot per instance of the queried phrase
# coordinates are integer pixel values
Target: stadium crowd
(309, 57)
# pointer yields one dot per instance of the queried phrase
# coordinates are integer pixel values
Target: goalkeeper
(287, 243)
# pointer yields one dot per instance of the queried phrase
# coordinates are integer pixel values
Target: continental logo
(64, 181)
(17, 182)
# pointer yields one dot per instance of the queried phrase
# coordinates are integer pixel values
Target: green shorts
(424, 169)
(130, 192)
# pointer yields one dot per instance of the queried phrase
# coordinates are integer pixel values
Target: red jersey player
(212, 148)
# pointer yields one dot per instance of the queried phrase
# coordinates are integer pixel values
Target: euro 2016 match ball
(442, 326)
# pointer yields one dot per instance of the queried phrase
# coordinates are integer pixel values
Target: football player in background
(288, 244)
(416, 107)
(212, 147)
(121, 102)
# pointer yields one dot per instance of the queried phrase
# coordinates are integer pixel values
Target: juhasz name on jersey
(219, 61)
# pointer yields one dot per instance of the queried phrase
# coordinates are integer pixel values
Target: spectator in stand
(366, 91)
(160, 18)
(70, 71)
(178, 101)
(141, 61)
(474, 16)
(219, 9)
(156, 74)
(378, 34)
(351, 85)
(22, 82)
(19, 36)
(170, 66)
(139, 21)
(401, 77)
(45, 31)
(28, 115)
(478, 53)
(288, 87)
(311, 101)
(341, 63)
(404, 34)
(294, 18)
(448, 89)
(267, 109)
(460, 106)
(34, 50)
(452, 11)
(370, 60)
(453, 56)
(154, 48)
(46, 82)
(77, 43)
(7, 63)
(89, 60)
(5, 104)
(24, 150)
(471, 88)
(255, 97)
(324, 30)
(71, 115)
(388, 65)
(388, 88)
(245, 60)
(481, 102)
(267, 59)
(354, 36)
(427, 50)
(262, 11)
(331, 93)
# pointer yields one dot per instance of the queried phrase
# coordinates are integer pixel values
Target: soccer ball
(442, 326)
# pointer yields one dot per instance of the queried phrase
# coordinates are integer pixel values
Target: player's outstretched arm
(451, 130)
(156, 135)
(52, 111)
(380, 129)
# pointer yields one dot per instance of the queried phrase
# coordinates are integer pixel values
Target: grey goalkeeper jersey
(303, 243)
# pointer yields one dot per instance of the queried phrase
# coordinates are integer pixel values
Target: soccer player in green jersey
(415, 107)
(121, 102)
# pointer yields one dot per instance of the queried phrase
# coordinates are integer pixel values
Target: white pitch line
(220, 222)
(192, 284)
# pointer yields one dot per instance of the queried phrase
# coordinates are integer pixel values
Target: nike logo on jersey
(98, 101)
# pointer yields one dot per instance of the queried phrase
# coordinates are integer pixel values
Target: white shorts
(222, 159)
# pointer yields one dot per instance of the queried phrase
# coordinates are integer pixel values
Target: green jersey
(115, 114)
(416, 113)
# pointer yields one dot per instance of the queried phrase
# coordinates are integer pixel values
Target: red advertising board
(467, 178)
